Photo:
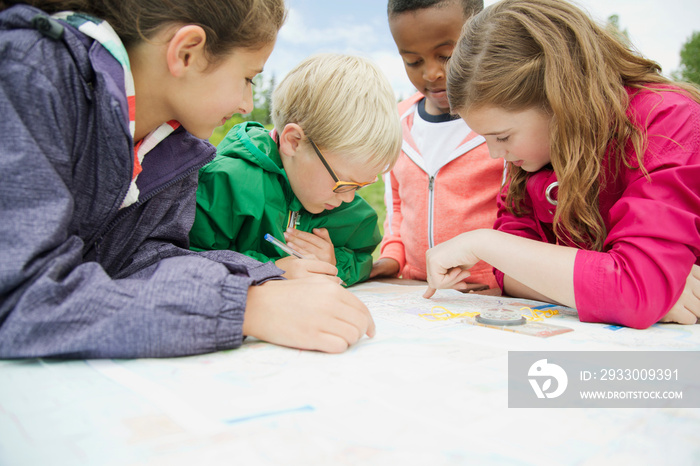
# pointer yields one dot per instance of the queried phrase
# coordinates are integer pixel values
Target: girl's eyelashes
(503, 139)
(250, 81)
(412, 64)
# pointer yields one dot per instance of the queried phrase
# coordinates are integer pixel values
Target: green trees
(262, 97)
(613, 26)
(689, 70)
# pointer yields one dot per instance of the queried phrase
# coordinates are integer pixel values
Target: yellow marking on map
(538, 315)
(445, 314)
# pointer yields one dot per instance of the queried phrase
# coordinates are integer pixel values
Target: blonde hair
(344, 104)
(549, 55)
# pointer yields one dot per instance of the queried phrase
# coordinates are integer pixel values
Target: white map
(421, 392)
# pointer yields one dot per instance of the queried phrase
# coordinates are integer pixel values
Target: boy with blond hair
(336, 127)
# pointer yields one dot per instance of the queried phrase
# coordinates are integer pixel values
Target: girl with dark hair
(105, 105)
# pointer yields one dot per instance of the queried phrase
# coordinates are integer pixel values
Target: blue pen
(282, 246)
(287, 249)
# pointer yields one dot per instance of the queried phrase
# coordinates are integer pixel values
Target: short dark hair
(471, 7)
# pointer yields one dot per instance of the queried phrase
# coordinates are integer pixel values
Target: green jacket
(244, 193)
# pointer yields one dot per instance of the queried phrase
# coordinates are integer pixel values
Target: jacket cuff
(499, 278)
(587, 286)
(229, 326)
(264, 272)
(394, 251)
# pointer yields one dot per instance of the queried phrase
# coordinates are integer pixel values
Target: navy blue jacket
(80, 277)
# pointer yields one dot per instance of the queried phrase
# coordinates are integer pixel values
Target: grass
(374, 195)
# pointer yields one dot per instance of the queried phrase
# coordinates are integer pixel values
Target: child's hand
(309, 313)
(303, 268)
(318, 243)
(447, 264)
(384, 267)
(687, 309)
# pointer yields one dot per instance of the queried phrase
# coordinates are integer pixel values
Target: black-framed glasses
(340, 186)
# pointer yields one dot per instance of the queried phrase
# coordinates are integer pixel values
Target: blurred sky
(657, 28)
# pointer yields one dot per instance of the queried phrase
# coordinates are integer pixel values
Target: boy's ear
(185, 49)
(290, 139)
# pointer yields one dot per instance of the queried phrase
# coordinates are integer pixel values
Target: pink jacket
(423, 211)
(653, 225)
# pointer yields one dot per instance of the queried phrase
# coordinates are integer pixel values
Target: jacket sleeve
(231, 208)
(52, 302)
(649, 252)
(354, 231)
(354, 261)
(524, 226)
(218, 219)
(654, 227)
(392, 246)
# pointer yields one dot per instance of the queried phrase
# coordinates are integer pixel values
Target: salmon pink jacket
(425, 209)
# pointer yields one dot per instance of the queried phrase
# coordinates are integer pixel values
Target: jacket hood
(31, 19)
(19, 17)
(94, 64)
(404, 105)
(250, 141)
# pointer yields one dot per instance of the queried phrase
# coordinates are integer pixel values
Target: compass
(500, 317)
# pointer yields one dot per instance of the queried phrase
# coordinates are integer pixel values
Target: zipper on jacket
(293, 219)
(431, 199)
(123, 212)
